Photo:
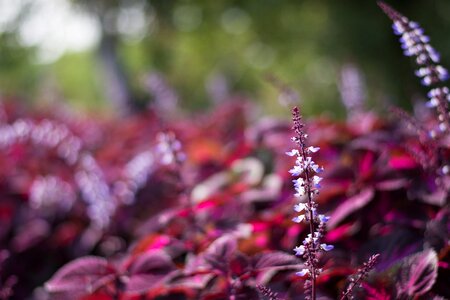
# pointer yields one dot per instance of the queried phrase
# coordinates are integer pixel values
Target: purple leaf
(147, 271)
(274, 259)
(350, 205)
(30, 234)
(268, 264)
(193, 280)
(436, 232)
(84, 274)
(220, 252)
(417, 273)
(158, 221)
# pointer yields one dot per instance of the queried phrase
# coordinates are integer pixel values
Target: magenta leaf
(417, 274)
(391, 184)
(402, 163)
(239, 265)
(147, 271)
(350, 205)
(85, 275)
(376, 293)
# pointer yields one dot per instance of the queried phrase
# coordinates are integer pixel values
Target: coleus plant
(385, 190)
(221, 271)
(96, 275)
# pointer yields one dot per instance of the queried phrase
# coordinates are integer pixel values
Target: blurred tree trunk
(114, 79)
(116, 87)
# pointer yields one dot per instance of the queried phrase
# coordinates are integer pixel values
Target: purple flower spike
(416, 44)
(307, 186)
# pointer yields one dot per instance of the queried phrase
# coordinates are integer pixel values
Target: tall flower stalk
(416, 44)
(307, 185)
(360, 276)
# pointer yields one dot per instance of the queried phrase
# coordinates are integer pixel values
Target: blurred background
(113, 55)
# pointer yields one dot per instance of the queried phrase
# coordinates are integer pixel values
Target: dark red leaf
(239, 264)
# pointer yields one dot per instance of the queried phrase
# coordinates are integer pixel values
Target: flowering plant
(307, 186)
(117, 210)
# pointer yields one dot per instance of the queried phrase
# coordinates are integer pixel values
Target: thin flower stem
(363, 272)
(350, 288)
(312, 265)
(311, 224)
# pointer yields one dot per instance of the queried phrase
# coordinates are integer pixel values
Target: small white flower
(299, 250)
(298, 219)
(313, 149)
(296, 171)
(398, 28)
(309, 239)
(433, 102)
(326, 247)
(316, 168)
(413, 24)
(293, 152)
(302, 272)
(301, 191)
(298, 182)
(299, 207)
(316, 180)
(323, 218)
(422, 72)
(299, 161)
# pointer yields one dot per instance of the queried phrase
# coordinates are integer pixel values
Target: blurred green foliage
(304, 43)
(17, 70)
(76, 76)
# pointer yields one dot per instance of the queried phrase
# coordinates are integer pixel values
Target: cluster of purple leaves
(241, 199)
(200, 207)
